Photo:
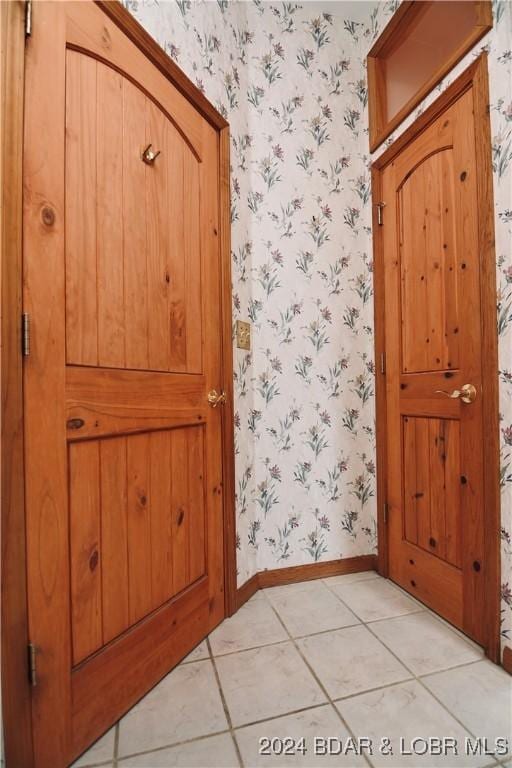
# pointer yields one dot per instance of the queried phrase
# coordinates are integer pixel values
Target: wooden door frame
(476, 77)
(16, 695)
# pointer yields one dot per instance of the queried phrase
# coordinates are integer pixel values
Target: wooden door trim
(143, 40)
(397, 30)
(16, 703)
(476, 77)
(228, 414)
(16, 693)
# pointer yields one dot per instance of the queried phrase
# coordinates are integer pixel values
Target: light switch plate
(243, 335)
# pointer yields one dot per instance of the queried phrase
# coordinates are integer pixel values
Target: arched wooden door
(122, 282)
(438, 321)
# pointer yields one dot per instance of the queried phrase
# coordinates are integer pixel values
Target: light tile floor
(347, 657)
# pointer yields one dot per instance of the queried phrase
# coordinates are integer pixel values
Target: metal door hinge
(386, 512)
(32, 667)
(383, 362)
(28, 18)
(379, 207)
(25, 334)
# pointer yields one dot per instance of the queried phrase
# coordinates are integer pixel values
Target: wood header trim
(451, 94)
(397, 28)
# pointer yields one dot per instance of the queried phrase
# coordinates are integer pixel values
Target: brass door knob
(215, 399)
(467, 393)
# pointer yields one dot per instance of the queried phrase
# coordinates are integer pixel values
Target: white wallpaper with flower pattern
(290, 78)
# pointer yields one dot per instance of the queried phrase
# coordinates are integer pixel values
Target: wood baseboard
(507, 660)
(247, 590)
(295, 573)
(280, 576)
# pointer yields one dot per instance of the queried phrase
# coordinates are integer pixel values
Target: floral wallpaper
(290, 78)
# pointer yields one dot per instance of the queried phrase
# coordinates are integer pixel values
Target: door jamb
(16, 692)
(476, 77)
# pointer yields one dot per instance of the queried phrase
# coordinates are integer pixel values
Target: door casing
(476, 77)
(16, 692)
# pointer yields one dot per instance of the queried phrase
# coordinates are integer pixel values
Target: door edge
(16, 692)
(475, 77)
(228, 420)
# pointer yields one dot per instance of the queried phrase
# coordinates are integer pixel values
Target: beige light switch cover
(243, 335)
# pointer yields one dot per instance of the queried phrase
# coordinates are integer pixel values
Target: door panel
(85, 538)
(123, 453)
(133, 248)
(429, 337)
(153, 483)
(432, 486)
(433, 348)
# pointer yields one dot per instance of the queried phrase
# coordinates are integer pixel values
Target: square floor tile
(214, 752)
(254, 624)
(184, 705)
(319, 724)
(480, 696)
(351, 660)
(259, 595)
(352, 578)
(373, 599)
(457, 631)
(266, 682)
(311, 609)
(199, 653)
(296, 586)
(101, 751)
(407, 711)
(425, 644)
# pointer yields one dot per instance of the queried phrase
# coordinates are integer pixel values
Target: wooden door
(123, 452)
(434, 380)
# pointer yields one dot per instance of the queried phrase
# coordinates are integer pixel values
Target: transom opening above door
(421, 44)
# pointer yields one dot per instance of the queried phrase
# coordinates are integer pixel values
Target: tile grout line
(224, 703)
(413, 613)
(385, 618)
(422, 684)
(413, 675)
(193, 739)
(319, 683)
(172, 744)
(279, 642)
(331, 701)
(390, 618)
(116, 744)
(163, 747)
(110, 761)
(102, 764)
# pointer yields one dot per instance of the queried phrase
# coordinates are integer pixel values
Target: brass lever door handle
(215, 398)
(467, 393)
